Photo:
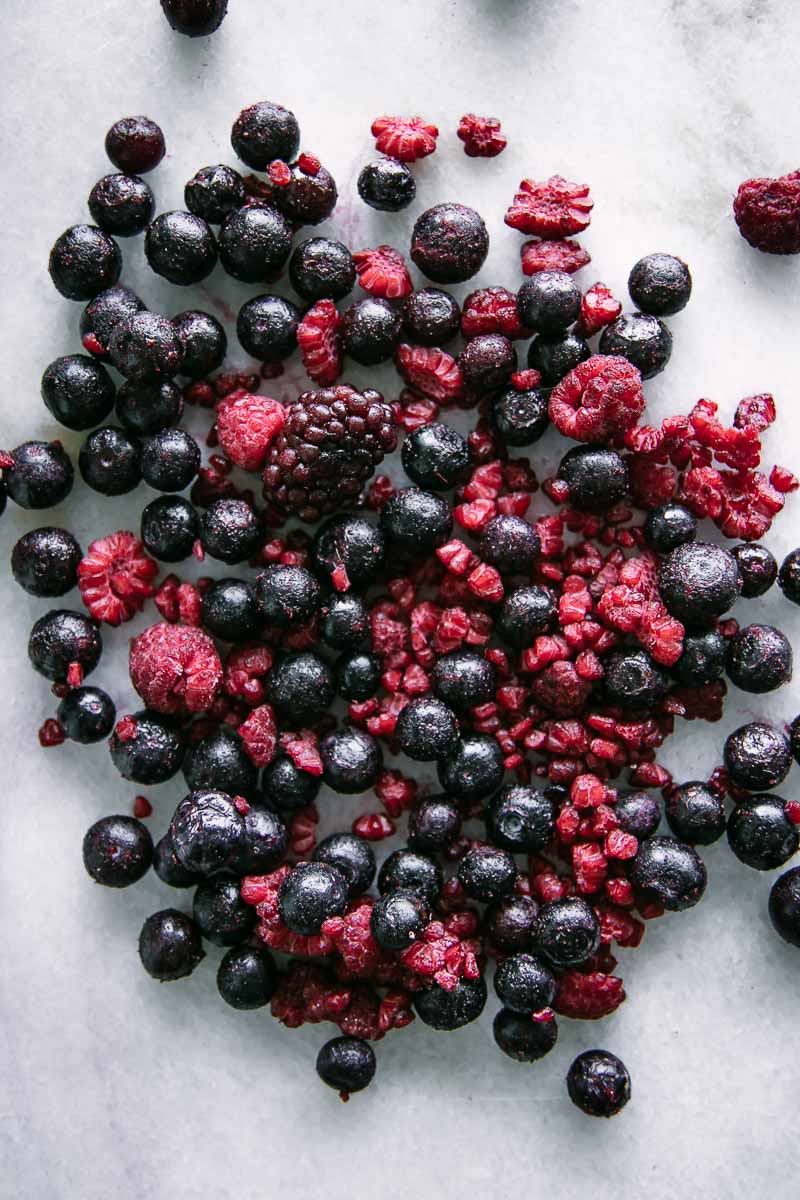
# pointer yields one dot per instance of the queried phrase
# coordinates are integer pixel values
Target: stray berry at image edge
(586, 675)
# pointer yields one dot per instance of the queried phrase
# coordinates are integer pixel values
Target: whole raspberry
(320, 342)
(383, 272)
(404, 138)
(553, 209)
(599, 400)
(481, 136)
(431, 371)
(115, 578)
(553, 256)
(175, 668)
(246, 425)
(767, 212)
(492, 310)
(331, 443)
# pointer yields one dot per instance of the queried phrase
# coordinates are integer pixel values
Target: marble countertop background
(116, 1086)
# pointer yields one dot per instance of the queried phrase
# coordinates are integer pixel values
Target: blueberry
(310, 894)
(398, 919)
(519, 418)
(264, 132)
(220, 762)
(84, 261)
(352, 856)
(204, 342)
(633, 680)
(427, 729)
(638, 813)
(760, 834)
(526, 613)
(699, 581)
(358, 675)
(450, 1010)
(524, 984)
(521, 1038)
(758, 569)
(117, 851)
(486, 872)
(436, 457)
(387, 185)
(464, 679)
(702, 659)
(230, 610)
(265, 842)
(789, 577)
(101, 316)
(45, 561)
(230, 530)
(449, 243)
(213, 192)
(169, 529)
(144, 408)
(598, 1083)
(135, 145)
(487, 362)
(556, 355)
(345, 623)
(695, 814)
(146, 748)
(434, 824)
(351, 760)
(287, 787)
(669, 526)
(370, 330)
(86, 714)
(410, 871)
(287, 596)
(416, 521)
(121, 204)
(784, 906)
(597, 478)
(170, 946)
(307, 199)
(207, 832)
(195, 18)
(509, 922)
(267, 328)
(181, 247)
(521, 818)
(759, 659)
(431, 317)
(169, 869)
(110, 461)
(474, 770)
(346, 1064)
(567, 932)
(509, 543)
(348, 552)
(660, 284)
(548, 302)
(254, 242)
(41, 476)
(220, 913)
(247, 977)
(322, 269)
(78, 391)
(757, 756)
(145, 348)
(644, 340)
(61, 639)
(669, 873)
(300, 686)
(170, 459)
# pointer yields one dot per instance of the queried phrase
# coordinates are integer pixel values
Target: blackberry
(169, 869)
(784, 906)
(322, 269)
(288, 788)
(310, 894)
(352, 856)
(41, 477)
(181, 248)
(431, 317)
(760, 834)
(548, 302)
(170, 946)
(758, 569)
(567, 932)
(409, 871)
(434, 824)
(660, 284)
(464, 679)
(398, 919)
(307, 199)
(789, 577)
(358, 676)
(757, 756)
(135, 145)
(267, 328)
(695, 814)
(78, 391)
(510, 543)
(556, 355)
(204, 342)
(345, 623)
(110, 461)
(62, 639)
(220, 913)
(266, 841)
(526, 612)
(449, 243)
(86, 714)
(638, 813)
(146, 749)
(597, 478)
(170, 459)
(247, 977)
(669, 526)
(644, 340)
(219, 762)
(370, 330)
(254, 242)
(436, 457)
(519, 418)
(169, 528)
(387, 185)
(351, 761)
(45, 561)
(702, 659)
(331, 443)
(509, 923)
(287, 596)
(84, 261)
(264, 132)
(522, 818)
(348, 552)
(759, 659)
(213, 192)
(522, 1039)
(633, 680)
(416, 521)
(101, 316)
(346, 1064)
(485, 873)
(300, 686)
(669, 873)
(117, 851)
(450, 1010)
(474, 770)
(524, 984)
(145, 348)
(427, 729)
(121, 204)
(207, 832)
(230, 530)
(487, 362)
(598, 1083)
(144, 408)
(195, 18)
(230, 610)
(698, 581)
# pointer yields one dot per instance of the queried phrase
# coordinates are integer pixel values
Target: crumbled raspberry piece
(405, 138)
(481, 136)
(303, 831)
(302, 749)
(598, 308)
(442, 955)
(320, 343)
(618, 926)
(757, 411)
(492, 310)
(588, 997)
(412, 411)
(431, 371)
(142, 807)
(308, 993)
(553, 209)
(589, 866)
(396, 792)
(279, 173)
(51, 733)
(259, 735)
(175, 668)
(309, 164)
(245, 667)
(792, 810)
(599, 400)
(352, 940)
(373, 827)
(474, 516)
(553, 256)
(246, 425)
(485, 583)
(767, 212)
(115, 577)
(383, 272)
(527, 380)
(783, 481)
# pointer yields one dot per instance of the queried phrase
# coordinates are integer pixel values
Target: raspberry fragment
(115, 577)
(552, 209)
(481, 136)
(564, 256)
(383, 272)
(492, 310)
(431, 371)
(404, 138)
(309, 164)
(259, 735)
(598, 309)
(279, 173)
(320, 343)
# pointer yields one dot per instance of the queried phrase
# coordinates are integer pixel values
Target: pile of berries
(538, 661)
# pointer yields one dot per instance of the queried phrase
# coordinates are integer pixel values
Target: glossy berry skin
(254, 242)
(287, 596)
(556, 355)
(757, 756)
(398, 919)
(759, 659)
(370, 330)
(84, 261)
(436, 457)
(598, 1083)
(597, 478)
(152, 755)
(449, 243)
(521, 1038)
(434, 824)
(521, 818)
(247, 977)
(644, 340)
(78, 391)
(416, 521)
(101, 316)
(121, 205)
(264, 132)
(346, 1064)
(410, 871)
(220, 913)
(358, 675)
(219, 762)
(758, 569)
(41, 477)
(789, 577)
(45, 561)
(567, 931)
(431, 317)
(698, 581)
(145, 348)
(703, 658)
(351, 760)
(519, 418)
(485, 873)
(487, 362)
(638, 813)
(169, 869)
(204, 342)
(117, 851)
(135, 145)
(300, 685)
(509, 923)
(181, 247)
(110, 461)
(213, 192)
(195, 18)
(322, 269)
(351, 544)
(267, 328)
(310, 894)
(306, 199)
(230, 530)
(207, 832)
(669, 526)
(170, 459)
(266, 841)
(760, 834)
(427, 729)
(352, 856)
(695, 814)
(509, 543)
(169, 528)
(144, 408)
(669, 873)
(387, 185)
(633, 680)
(474, 770)
(451, 1010)
(463, 679)
(61, 638)
(660, 284)
(170, 945)
(345, 623)
(86, 714)
(526, 613)
(288, 788)
(524, 984)
(548, 302)
(230, 610)
(784, 906)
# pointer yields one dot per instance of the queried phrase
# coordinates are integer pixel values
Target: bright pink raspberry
(246, 425)
(552, 209)
(320, 342)
(175, 668)
(404, 138)
(599, 400)
(431, 371)
(383, 272)
(598, 308)
(115, 577)
(492, 310)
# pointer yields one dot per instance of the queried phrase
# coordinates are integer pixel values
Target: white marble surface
(115, 1086)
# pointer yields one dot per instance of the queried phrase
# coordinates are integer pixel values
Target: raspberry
(481, 136)
(331, 443)
(320, 342)
(588, 997)
(178, 601)
(413, 411)
(492, 310)
(115, 578)
(302, 750)
(598, 308)
(431, 371)
(245, 667)
(442, 955)
(553, 256)
(756, 411)
(175, 668)
(246, 425)
(767, 212)
(383, 272)
(404, 138)
(599, 400)
(309, 164)
(51, 733)
(373, 827)
(259, 735)
(554, 209)
(279, 173)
